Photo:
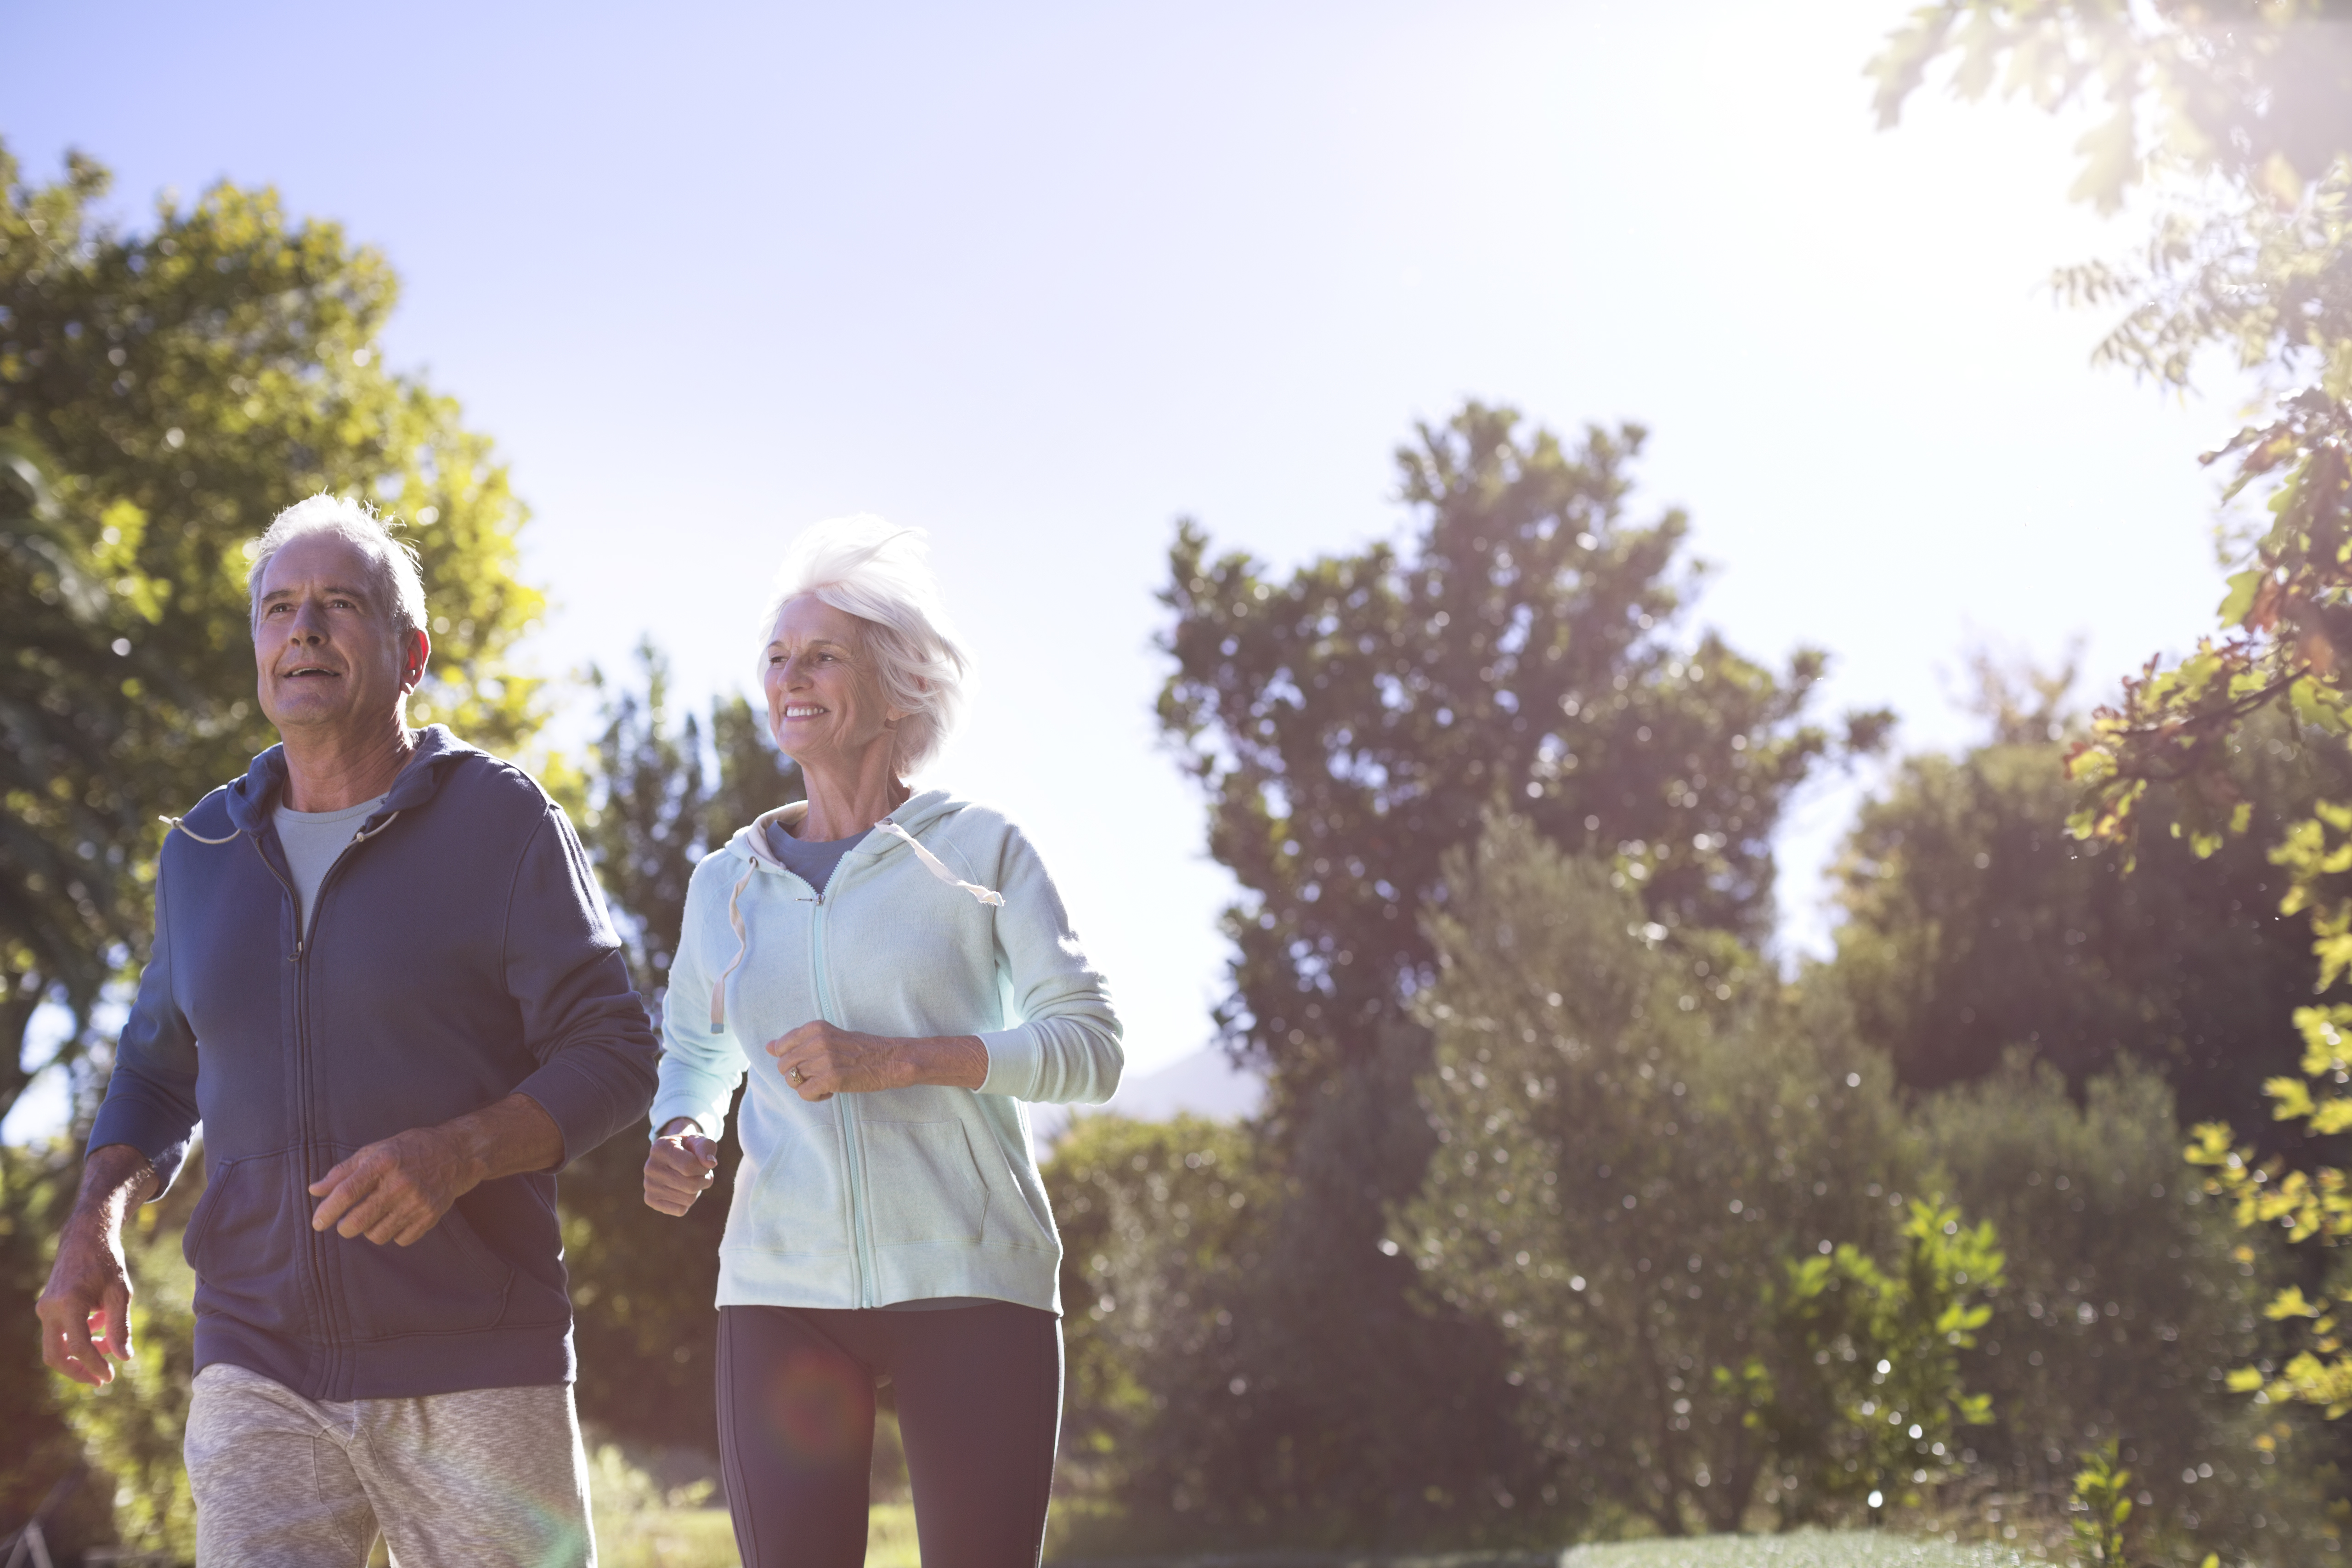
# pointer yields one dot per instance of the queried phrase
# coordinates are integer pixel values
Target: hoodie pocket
(922, 1182)
(448, 1282)
(791, 1204)
(245, 1242)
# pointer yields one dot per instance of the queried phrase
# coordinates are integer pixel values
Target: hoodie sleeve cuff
(670, 1108)
(159, 1137)
(581, 1109)
(1014, 1056)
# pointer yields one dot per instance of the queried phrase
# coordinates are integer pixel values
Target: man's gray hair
(397, 578)
(864, 567)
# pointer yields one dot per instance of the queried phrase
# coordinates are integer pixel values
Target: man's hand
(85, 1308)
(821, 1061)
(681, 1168)
(397, 1189)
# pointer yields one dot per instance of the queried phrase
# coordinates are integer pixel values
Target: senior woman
(897, 970)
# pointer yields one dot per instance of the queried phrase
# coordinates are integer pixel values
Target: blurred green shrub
(1635, 1136)
(1162, 1224)
(1876, 1413)
(1976, 925)
(130, 1429)
(644, 1284)
(2129, 1295)
(39, 1448)
(124, 1439)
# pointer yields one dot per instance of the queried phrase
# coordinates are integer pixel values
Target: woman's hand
(820, 1061)
(681, 1168)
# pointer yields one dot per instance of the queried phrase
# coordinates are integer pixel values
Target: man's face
(323, 643)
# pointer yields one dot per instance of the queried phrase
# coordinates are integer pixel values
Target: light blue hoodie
(940, 922)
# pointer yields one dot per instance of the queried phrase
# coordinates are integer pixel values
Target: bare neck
(329, 771)
(843, 802)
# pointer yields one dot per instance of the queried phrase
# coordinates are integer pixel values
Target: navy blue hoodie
(458, 950)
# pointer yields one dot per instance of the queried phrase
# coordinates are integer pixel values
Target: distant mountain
(1205, 1083)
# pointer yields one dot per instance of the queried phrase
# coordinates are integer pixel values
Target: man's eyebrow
(330, 590)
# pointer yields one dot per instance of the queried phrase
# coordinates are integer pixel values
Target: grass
(704, 1537)
(1803, 1549)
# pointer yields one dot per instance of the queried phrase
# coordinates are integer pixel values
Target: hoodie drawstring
(181, 824)
(931, 862)
(742, 946)
(743, 940)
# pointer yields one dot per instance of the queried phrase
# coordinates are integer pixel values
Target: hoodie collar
(252, 798)
(914, 813)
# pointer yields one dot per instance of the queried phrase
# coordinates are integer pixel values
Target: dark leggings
(979, 1410)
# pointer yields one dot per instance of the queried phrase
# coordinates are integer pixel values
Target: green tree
(186, 383)
(2129, 1297)
(1632, 1139)
(2239, 118)
(661, 792)
(1876, 1401)
(1351, 724)
(1163, 1224)
(163, 392)
(63, 709)
(1976, 924)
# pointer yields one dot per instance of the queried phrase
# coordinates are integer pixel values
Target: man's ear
(415, 657)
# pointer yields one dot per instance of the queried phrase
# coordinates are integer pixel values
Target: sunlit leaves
(187, 382)
(1350, 721)
(2257, 93)
(1633, 1137)
(1881, 1347)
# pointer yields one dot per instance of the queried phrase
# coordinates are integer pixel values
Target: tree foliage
(1164, 1225)
(181, 384)
(2244, 91)
(1631, 1142)
(1976, 925)
(2246, 112)
(662, 792)
(1881, 1411)
(1353, 722)
(2130, 1297)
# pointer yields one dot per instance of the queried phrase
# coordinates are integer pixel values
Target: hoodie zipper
(305, 933)
(853, 1139)
(313, 1256)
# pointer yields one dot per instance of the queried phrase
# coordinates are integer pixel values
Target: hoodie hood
(914, 816)
(251, 799)
(749, 848)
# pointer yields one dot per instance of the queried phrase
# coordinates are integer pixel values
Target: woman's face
(824, 704)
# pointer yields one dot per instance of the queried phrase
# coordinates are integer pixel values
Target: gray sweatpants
(452, 1480)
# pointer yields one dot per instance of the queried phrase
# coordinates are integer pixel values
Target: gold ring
(793, 1076)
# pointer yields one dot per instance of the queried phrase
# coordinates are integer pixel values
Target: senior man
(385, 980)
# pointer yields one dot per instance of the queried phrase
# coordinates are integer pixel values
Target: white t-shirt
(312, 840)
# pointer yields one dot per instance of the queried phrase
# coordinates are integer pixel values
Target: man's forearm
(513, 1136)
(115, 1179)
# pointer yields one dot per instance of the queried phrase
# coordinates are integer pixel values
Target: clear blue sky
(1040, 279)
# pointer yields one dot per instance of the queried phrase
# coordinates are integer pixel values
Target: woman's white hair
(398, 579)
(864, 567)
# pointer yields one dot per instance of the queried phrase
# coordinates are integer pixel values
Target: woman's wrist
(953, 1061)
(678, 1124)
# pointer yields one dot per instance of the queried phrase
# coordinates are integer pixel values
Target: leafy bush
(38, 1450)
(1877, 1413)
(123, 1440)
(1160, 1221)
(1633, 1137)
(2129, 1297)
